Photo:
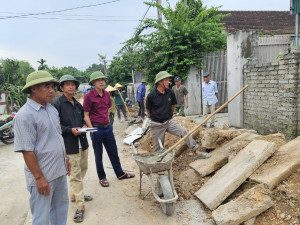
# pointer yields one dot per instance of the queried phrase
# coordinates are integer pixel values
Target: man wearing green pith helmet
(71, 116)
(160, 105)
(38, 136)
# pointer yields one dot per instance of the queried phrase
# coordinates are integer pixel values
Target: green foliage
(12, 79)
(178, 41)
(120, 69)
(13, 75)
(42, 65)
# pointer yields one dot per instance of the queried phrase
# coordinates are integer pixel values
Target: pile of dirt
(286, 198)
(286, 209)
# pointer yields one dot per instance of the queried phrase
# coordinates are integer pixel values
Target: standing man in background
(140, 97)
(181, 93)
(112, 110)
(71, 116)
(119, 102)
(210, 97)
(38, 136)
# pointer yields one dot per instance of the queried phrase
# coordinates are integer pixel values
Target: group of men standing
(53, 144)
(209, 95)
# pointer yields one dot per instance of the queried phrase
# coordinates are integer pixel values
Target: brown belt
(100, 125)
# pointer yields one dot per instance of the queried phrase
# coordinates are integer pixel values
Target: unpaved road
(117, 204)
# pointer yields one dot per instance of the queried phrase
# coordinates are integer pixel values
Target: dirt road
(117, 204)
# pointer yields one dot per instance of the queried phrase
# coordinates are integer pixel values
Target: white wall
(193, 85)
(241, 47)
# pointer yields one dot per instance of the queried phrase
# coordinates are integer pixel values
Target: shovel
(160, 158)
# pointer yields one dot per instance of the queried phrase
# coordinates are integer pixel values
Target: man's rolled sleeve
(25, 134)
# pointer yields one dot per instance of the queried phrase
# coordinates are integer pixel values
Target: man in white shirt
(210, 97)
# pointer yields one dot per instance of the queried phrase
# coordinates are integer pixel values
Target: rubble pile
(249, 178)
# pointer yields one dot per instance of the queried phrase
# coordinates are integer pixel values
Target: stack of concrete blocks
(271, 101)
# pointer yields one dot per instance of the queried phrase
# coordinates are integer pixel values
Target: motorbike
(6, 131)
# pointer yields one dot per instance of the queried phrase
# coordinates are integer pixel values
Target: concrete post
(241, 46)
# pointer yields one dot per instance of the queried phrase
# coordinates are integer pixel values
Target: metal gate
(216, 64)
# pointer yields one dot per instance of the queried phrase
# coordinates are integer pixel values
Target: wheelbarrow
(165, 194)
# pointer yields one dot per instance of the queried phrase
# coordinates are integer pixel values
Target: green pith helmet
(162, 75)
(95, 76)
(65, 78)
(38, 77)
(144, 80)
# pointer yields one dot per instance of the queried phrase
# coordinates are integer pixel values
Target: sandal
(203, 155)
(104, 182)
(78, 216)
(87, 198)
(126, 176)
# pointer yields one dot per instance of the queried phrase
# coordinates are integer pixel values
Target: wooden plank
(280, 166)
(234, 173)
(248, 205)
(219, 157)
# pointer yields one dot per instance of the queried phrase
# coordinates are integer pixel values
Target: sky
(76, 37)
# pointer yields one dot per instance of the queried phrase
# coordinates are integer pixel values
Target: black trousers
(142, 109)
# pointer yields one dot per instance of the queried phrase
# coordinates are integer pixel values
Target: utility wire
(78, 15)
(76, 19)
(57, 11)
(142, 19)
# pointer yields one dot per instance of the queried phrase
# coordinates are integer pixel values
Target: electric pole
(159, 16)
(185, 3)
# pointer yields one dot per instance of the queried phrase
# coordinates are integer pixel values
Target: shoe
(204, 126)
(126, 119)
(212, 126)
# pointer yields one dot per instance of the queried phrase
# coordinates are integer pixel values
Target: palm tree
(42, 65)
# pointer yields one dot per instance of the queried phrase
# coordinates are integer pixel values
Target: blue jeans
(105, 136)
(50, 209)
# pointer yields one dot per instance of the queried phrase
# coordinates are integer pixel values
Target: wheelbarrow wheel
(165, 192)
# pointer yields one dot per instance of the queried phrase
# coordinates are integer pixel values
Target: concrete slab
(219, 157)
(234, 173)
(131, 128)
(190, 212)
(248, 205)
(281, 165)
(250, 222)
(215, 138)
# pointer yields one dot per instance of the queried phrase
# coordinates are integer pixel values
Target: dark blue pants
(106, 137)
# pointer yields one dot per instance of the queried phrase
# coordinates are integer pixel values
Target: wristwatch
(67, 158)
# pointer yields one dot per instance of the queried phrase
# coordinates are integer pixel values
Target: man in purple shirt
(96, 104)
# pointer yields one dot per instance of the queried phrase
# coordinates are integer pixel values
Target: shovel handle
(204, 121)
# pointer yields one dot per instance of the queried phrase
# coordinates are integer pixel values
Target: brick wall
(271, 102)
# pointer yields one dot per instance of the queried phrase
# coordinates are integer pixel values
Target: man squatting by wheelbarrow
(160, 105)
(96, 104)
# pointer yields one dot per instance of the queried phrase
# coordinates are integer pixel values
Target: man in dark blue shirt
(160, 105)
(140, 97)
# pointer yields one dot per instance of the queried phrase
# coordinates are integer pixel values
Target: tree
(42, 65)
(13, 75)
(102, 59)
(179, 41)
(120, 69)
